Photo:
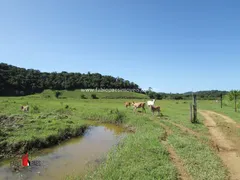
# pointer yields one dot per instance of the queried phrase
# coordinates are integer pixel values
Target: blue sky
(171, 46)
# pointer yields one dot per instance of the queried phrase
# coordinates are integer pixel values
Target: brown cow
(127, 104)
(155, 108)
(138, 105)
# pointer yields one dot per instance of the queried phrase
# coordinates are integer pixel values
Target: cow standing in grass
(138, 105)
(151, 103)
(127, 104)
(25, 108)
(155, 108)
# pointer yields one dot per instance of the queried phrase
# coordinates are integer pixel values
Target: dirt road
(228, 150)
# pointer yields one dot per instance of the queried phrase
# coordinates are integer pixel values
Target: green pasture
(139, 156)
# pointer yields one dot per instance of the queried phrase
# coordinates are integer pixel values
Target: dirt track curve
(228, 150)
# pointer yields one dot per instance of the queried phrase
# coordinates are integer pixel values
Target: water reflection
(71, 157)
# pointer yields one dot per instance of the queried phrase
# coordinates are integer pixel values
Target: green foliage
(83, 96)
(94, 96)
(76, 94)
(57, 94)
(15, 81)
(201, 95)
(139, 155)
(118, 115)
(232, 94)
(35, 109)
(154, 95)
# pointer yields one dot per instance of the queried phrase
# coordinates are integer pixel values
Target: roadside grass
(179, 112)
(199, 159)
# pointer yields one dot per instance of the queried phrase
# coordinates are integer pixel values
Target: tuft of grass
(35, 109)
(83, 96)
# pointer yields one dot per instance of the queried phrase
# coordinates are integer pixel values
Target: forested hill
(21, 81)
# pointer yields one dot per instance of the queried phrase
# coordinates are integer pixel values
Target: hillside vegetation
(81, 94)
(203, 95)
(15, 81)
(20, 81)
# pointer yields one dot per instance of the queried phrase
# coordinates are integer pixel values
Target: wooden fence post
(194, 108)
(191, 118)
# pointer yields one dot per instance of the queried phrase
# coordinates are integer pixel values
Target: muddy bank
(8, 149)
(56, 128)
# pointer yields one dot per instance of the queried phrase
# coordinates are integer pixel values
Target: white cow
(25, 108)
(151, 103)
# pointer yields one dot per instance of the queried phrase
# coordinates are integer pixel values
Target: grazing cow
(127, 104)
(155, 108)
(25, 108)
(151, 103)
(138, 105)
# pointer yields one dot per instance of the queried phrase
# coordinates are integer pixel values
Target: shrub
(83, 96)
(57, 94)
(35, 109)
(94, 96)
(117, 115)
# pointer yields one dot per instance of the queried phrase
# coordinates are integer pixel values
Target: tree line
(16, 81)
(201, 95)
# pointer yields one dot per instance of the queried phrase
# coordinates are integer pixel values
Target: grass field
(141, 155)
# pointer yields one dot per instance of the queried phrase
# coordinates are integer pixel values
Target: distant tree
(232, 94)
(94, 96)
(178, 97)
(151, 95)
(158, 96)
(57, 94)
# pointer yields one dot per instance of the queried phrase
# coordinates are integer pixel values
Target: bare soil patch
(226, 118)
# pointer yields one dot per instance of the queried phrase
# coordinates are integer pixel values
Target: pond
(72, 157)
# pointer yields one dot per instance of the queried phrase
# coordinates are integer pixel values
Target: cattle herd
(138, 105)
(135, 105)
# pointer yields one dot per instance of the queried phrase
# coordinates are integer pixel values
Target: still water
(73, 157)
